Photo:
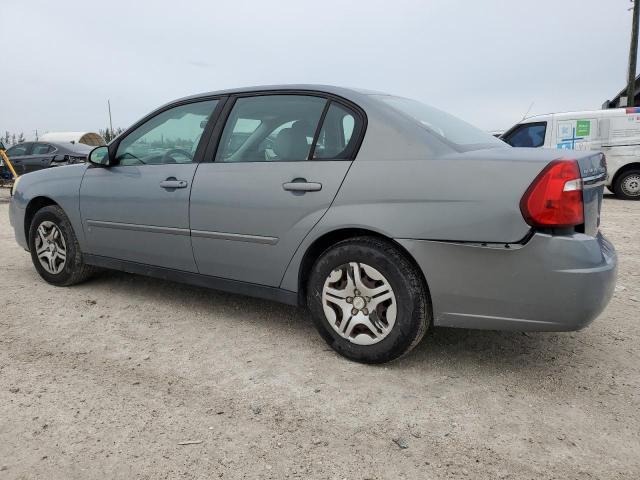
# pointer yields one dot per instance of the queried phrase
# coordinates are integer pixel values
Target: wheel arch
(624, 169)
(328, 239)
(35, 204)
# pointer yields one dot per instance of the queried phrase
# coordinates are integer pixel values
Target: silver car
(382, 215)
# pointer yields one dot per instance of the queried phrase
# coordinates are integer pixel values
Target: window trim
(204, 138)
(504, 137)
(360, 115)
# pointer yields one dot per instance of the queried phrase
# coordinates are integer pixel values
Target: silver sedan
(383, 216)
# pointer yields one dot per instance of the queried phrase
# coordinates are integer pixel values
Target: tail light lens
(554, 199)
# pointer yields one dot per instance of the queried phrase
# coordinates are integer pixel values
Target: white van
(614, 132)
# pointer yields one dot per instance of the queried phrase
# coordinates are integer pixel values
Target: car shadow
(453, 348)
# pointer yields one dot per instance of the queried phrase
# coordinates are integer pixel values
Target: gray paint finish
(237, 226)
(551, 283)
(134, 218)
(248, 199)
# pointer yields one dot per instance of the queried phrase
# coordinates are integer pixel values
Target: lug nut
(349, 299)
(357, 292)
(365, 311)
(354, 311)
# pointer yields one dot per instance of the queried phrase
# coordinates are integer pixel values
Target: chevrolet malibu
(382, 215)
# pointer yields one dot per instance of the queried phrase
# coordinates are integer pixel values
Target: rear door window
(527, 135)
(272, 128)
(41, 149)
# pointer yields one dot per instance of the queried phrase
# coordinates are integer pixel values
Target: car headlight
(15, 185)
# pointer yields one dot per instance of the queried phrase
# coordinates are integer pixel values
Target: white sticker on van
(574, 135)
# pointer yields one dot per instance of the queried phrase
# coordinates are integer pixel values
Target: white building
(88, 138)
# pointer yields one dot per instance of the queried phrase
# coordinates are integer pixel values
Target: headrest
(291, 144)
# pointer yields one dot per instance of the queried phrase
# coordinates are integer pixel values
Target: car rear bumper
(552, 283)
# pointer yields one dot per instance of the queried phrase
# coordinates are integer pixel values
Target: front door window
(170, 137)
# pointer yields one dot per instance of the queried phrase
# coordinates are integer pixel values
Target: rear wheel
(54, 248)
(368, 301)
(627, 185)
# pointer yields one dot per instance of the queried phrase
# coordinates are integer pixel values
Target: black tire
(412, 298)
(74, 270)
(618, 184)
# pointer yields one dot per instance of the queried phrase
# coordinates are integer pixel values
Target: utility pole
(111, 124)
(633, 55)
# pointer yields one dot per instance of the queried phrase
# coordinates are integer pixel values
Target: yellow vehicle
(7, 172)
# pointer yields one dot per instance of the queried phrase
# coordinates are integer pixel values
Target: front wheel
(368, 301)
(54, 248)
(627, 185)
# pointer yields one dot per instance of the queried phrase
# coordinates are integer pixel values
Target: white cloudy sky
(483, 60)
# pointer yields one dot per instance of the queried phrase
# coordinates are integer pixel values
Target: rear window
(442, 124)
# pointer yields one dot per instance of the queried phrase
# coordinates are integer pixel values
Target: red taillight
(554, 199)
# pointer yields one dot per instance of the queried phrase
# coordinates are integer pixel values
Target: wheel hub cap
(359, 303)
(51, 248)
(631, 185)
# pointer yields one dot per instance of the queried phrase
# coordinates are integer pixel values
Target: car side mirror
(100, 156)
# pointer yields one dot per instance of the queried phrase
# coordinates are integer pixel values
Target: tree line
(11, 138)
(109, 134)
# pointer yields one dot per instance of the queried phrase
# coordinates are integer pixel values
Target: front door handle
(173, 183)
(301, 185)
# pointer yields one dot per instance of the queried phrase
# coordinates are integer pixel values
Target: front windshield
(441, 123)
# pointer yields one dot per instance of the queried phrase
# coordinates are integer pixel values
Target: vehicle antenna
(528, 110)
(110, 122)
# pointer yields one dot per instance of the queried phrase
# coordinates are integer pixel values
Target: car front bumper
(16, 219)
(551, 283)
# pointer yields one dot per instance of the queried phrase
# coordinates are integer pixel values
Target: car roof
(613, 112)
(348, 93)
(72, 147)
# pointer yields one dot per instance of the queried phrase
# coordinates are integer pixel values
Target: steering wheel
(168, 158)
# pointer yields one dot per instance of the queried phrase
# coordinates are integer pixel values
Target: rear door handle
(301, 185)
(173, 183)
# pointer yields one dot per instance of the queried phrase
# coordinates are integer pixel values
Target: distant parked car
(615, 132)
(31, 156)
(347, 202)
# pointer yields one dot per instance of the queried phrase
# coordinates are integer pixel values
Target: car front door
(17, 155)
(278, 165)
(138, 209)
(529, 135)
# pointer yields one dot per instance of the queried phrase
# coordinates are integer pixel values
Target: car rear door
(138, 209)
(279, 162)
(39, 157)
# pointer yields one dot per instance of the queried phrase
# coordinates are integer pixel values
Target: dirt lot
(106, 379)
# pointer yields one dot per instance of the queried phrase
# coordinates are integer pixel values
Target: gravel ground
(108, 378)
